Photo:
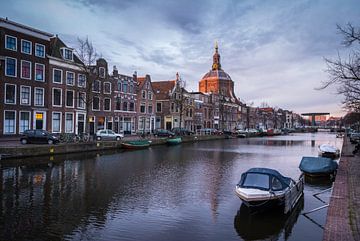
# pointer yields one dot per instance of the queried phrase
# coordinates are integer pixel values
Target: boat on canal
(137, 144)
(174, 141)
(265, 189)
(326, 150)
(318, 166)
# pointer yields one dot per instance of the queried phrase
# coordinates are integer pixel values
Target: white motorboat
(327, 150)
(264, 188)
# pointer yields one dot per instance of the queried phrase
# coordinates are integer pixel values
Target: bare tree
(88, 56)
(181, 99)
(345, 73)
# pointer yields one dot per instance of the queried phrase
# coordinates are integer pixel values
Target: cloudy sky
(273, 50)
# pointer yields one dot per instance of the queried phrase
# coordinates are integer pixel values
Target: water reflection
(266, 225)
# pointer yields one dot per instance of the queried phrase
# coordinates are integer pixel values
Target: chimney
(135, 75)
(115, 71)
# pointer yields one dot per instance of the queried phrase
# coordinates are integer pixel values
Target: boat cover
(318, 165)
(265, 172)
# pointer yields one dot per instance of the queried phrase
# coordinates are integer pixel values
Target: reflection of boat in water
(264, 188)
(269, 225)
(326, 150)
(318, 166)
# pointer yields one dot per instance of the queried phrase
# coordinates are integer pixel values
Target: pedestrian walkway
(343, 217)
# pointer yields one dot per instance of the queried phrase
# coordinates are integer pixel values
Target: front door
(39, 120)
(168, 125)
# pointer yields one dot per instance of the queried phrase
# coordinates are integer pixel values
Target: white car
(108, 135)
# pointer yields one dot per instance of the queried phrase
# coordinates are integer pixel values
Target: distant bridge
(313, 116)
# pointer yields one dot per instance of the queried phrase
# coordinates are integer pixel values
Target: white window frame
(36, 44)
(42, 98)
(29, 126)
(67, 72)
(52, 97)
(143, 104)
(70, 106)
(53, 76)
(151, 95)
(6, 84)
(107, 82)
(109, 104)
(96, 91)
(14, 123)
(6, 67)
(72, 129)
(52, 121)
(143, 94)
(102, 76)
(92, 104)
(62, 52)
(21, 72)
(21, 86)
(24, 40)
(78, 105)
(6, 36)
(78, 81)
(43, 80)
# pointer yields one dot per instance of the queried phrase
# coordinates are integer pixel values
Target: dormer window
(102, 72)
(67, 53)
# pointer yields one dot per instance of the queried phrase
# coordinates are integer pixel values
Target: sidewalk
(343, 216)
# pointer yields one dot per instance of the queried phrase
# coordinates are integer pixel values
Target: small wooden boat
(138, 144)
(318, 166)
(326, 150)
(264, 188)
(174, 141)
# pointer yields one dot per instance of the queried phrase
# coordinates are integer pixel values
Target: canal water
(183, 192)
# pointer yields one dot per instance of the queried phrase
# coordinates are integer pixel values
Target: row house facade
(24, 78)
(146, 104)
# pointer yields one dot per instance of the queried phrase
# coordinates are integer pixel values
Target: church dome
(218, 73)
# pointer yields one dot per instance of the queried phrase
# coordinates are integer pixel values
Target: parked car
(355, 137)
(163, 132)
(182, 131)
(209, 131)
(108, 135)
(38, 136)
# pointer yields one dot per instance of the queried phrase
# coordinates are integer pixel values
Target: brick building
(146, 103)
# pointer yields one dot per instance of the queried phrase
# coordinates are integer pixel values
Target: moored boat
(326, 150)
(174, 141)
(264, 188)
(138, 144)
(318, 166)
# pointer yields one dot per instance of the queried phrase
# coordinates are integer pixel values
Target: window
(25, 46)
(10, 67)
(81, 80)
(39, 97)
(69, 122)
(107, 88)
(67, 54)
(25, 95)
(70, 78)
(96, 103)
(125, 89)
(9, 122)
(150, 110)
(118, 103)
(256, 180)
(143, 94)
(142, 108)
(172, 107)
(131, 89)
(25, 69)
(119, 85)
(56, 122)
(158, 107)
(24, 123)
(39, 72)
(81, 100)
(10, 42)
(150, 95)
(56, 97)
(107, 103)
(69, 98)
(10, 94)
(132, 106)
(40, 50)
(96, 86)
(125, 106)
(57, 76)
(102, 72)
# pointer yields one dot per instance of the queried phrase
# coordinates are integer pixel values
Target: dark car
(355, 137)
(163, 132)
(181, 131)
(38, 136)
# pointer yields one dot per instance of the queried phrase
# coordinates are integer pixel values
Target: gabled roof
(55, 45)
(163, 88)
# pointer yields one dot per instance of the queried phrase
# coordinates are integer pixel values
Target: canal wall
(343, 216)
(31, 150)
